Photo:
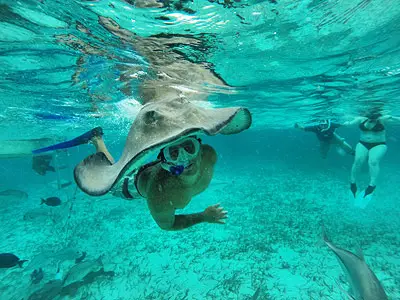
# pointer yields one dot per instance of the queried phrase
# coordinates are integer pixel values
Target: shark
(363, 282)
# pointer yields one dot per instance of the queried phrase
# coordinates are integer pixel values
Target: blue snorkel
(176, 170)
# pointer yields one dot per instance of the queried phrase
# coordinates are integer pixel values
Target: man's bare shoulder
(145, 178)
(209, 154)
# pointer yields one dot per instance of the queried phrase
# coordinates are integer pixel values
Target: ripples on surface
(74, 64)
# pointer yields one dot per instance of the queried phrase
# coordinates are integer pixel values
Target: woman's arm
(389, 118)
(298, 126)
(355, 121)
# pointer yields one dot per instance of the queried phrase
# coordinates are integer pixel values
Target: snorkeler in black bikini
(372, 145)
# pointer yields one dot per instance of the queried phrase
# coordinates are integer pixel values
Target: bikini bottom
(369, 146)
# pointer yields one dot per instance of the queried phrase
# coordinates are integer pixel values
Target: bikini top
(378, 127)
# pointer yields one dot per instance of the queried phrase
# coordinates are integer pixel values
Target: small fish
(364, 283)
(13, 196)
(51, 201)
(13, 193)
(79, 271)
(9, 260)
(37, 276)
(41, 164)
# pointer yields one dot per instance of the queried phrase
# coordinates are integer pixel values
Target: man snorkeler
(183, 167)
(325, 132)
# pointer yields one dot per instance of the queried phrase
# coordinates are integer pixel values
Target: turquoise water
(69, 66)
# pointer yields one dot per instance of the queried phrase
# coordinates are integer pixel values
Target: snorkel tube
(328, 125)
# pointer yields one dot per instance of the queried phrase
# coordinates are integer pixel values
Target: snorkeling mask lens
(185, 150)
(177, 156)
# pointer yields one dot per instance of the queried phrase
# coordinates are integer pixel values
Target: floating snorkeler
(372, 145)
(183, 168)
(325, 132)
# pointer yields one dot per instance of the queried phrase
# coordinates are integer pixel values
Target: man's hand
(215, 214)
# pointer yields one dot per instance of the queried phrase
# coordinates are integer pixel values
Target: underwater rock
(9, 260)
(37, 276)
(51, 201)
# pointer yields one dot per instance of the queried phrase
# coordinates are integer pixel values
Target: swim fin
(353, 193)
(363, 200)
(82, 139)
(354, 199)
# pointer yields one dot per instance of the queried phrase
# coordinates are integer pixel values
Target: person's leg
(337, 139)
(375, 156)
(360, 157)
(324, 147)
(98, 142)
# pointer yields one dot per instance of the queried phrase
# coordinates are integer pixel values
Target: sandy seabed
(270, 247)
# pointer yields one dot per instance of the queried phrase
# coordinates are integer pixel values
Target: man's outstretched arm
(167, 220)
(186, 221)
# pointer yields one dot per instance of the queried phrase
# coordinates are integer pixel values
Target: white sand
(271, 240)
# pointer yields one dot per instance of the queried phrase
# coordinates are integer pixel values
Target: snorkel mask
(324, 125)
(178, 156)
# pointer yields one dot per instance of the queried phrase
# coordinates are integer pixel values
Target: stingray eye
(150, 117)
